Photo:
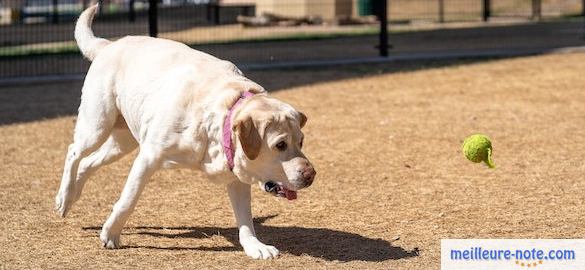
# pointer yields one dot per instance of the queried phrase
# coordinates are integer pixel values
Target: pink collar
(228, 147)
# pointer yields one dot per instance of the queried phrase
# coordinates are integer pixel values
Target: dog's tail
(89, 45)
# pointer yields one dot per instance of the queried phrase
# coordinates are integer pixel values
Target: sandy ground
(392, 181)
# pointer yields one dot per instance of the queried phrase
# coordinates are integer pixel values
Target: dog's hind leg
(145, 164)
(96, 118)
(120, 143)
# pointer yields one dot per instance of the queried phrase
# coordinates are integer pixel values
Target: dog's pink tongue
(290, 194)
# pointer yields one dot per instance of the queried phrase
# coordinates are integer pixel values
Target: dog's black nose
(308, 175)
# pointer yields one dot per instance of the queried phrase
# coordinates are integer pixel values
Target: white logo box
(500, 254)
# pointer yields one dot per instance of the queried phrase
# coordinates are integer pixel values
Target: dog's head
(270, 144)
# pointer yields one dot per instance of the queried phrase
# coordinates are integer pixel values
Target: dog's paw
(110, 241)
(62, 204)
(65, 199)
(257, 250)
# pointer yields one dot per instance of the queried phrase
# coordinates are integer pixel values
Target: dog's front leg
(241, 203)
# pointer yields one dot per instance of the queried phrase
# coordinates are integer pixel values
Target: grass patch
(26, 51)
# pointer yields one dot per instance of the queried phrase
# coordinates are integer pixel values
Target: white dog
(183, 108)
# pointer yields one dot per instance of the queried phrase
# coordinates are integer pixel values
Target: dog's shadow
(322, 243)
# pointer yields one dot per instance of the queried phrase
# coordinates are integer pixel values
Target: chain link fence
(36, 36)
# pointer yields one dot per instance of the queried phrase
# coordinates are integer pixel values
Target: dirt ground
(391, 182)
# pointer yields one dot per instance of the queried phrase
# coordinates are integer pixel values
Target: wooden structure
(326, 9)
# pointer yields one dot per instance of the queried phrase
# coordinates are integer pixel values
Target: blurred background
(36, 36)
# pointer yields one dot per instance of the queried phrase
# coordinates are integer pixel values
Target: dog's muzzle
(280, 190)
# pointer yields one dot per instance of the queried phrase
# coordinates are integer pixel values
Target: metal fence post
(442, 11)
(152, 18)
(212, 7)
(208, 9)
(131, 11)
(101, 7)
(487, 10)
(55, 11)
(583, 14)
(536, 9)
(383, 16)
(216, 13)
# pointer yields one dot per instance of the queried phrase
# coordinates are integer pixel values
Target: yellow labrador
(181, 107)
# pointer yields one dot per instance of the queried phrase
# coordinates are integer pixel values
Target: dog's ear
(249, 137)
(302, 119)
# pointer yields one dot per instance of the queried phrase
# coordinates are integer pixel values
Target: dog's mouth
(279, 190)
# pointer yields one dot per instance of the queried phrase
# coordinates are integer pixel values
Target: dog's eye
(301, 143)
(281, 146)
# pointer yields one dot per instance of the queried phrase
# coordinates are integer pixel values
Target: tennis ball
(478, 148)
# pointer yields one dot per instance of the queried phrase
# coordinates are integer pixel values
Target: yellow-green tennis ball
(478, 148)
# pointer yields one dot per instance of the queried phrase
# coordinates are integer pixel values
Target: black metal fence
(36, 36)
